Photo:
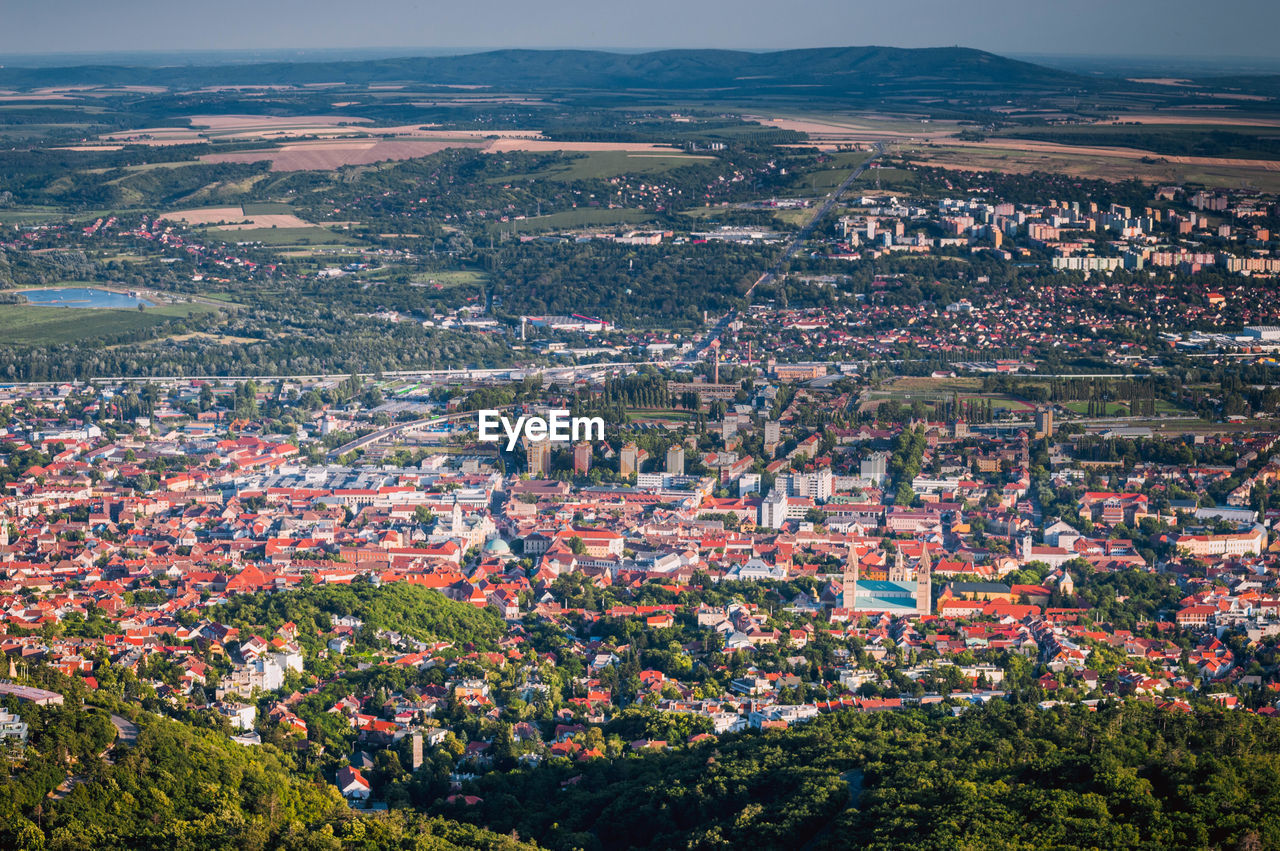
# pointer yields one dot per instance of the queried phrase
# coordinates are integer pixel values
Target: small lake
(83, 297)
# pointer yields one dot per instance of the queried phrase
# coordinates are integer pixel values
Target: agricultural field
(270, 223)
(265, 208)
(330, 155)
(33, 325)
(826, 130)
(1235, 141)
(209, 128)
(29, 215)
(211, 216)
(1114, 164)
(309, 235)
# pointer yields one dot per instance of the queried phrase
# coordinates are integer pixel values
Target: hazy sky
(1223, 28)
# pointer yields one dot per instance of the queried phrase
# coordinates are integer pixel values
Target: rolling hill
(821, 71)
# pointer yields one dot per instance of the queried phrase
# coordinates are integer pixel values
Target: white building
(12, 726)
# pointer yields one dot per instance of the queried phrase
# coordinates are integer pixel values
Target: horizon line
(413, 50)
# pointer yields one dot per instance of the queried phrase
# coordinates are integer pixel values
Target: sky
(1174, 28)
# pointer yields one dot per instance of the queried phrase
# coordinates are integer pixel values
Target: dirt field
(498, 146)
(237, 215)
(1033, 146)
(205, 128)
(825, 132)
(1108, 164)
(1208, 116)
(47, 97)
(207, 215)
(275, 220)
(323, 156)
(269, 122)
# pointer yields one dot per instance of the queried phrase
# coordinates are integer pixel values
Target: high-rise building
(817, 486)
(773, 510)
(582, 458)
(772, 436)
(629, 464)
(675, 460)
(1044, 422)
(538, 453)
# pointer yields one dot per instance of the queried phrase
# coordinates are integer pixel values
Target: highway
(397, 429)
(394, 430)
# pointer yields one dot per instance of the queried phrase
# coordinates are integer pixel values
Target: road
(126, 732)
(391, 431)
(424, 374)
(400, 428)
(797, 241)
(805, 232)
(126, 735)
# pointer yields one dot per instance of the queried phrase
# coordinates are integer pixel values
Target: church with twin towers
(907, 592)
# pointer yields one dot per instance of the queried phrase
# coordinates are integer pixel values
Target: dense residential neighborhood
(754, 571)
(611, 450)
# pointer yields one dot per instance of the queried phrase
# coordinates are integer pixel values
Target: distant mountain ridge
(827, 71)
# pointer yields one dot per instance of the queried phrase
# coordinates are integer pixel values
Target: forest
(1007, 774)
(996, 776)
(180, 788)
(412, 610)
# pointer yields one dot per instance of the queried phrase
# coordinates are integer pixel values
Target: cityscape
(799, 448)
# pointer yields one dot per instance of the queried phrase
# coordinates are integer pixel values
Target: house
(12, 726)
(241, 715)
(352, 785)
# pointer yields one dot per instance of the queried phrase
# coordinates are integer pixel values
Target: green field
(822, 180)
(579, 218)
(450, 278)
(265, 208)
(1119, 408)
(649, 414)
(604, 164)
(1113, 409)
(27, 324)
(282, 236)
(29, 215)
(135, 169)
(889, 178)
